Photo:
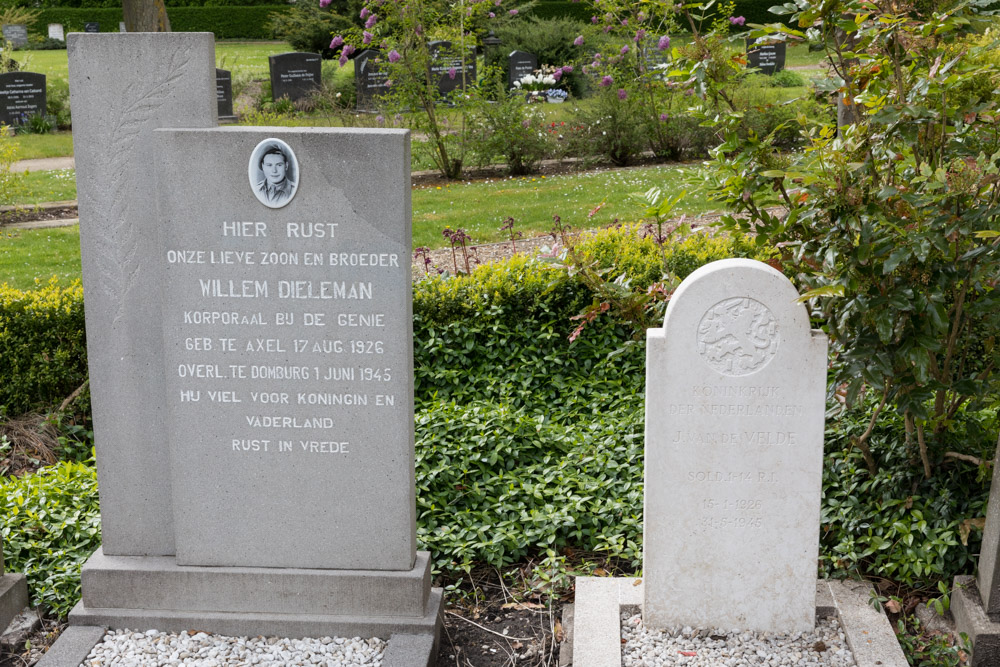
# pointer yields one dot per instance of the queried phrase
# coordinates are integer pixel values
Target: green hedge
(43, 355)
(237, 22)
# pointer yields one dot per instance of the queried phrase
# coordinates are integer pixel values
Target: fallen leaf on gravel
(557, 631)
(688, 653)
(819, 647)
(893, 606)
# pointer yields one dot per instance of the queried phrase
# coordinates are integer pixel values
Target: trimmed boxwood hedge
(233, 22)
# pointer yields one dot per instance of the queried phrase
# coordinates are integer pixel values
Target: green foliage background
(226, 21)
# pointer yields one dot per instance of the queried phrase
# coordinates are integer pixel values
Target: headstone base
(153, 592)
(972, 619)
(13, 597)
(228, 120)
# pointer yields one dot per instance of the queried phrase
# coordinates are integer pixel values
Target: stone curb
(76, 641)
(595, 635)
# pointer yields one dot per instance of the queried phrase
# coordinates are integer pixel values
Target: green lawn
(47, 186)
(30, 254)
(33, 146)
(479, 208)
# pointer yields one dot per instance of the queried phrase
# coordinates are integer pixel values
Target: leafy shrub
(11, 182)
(57, 102)
(308, 27)
(679, 136)
(51, 526)
(787, 78)
(35, 124)
(43, 355)
(38, 43)
(614, 128)
(507, 129)
(896, 524)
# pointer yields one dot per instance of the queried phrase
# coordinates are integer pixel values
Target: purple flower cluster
(607, 80)
(663, 44)
(394, 56)
(578, 41)
(372, 20)
(737, 20)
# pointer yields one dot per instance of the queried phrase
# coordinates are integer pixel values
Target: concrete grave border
(76, 641)
(593, 626)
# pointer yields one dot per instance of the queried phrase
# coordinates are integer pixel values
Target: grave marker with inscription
(520, 63)
(250, 341)
(735, 399)
(16, 34)
(294, 75)
(224, 94)
(769, 57)
(446, 65)
(22, 95)
(92, 26)
(56, 32)
(370, 76)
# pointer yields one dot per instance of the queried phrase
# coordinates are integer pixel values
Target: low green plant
(12, 184)
(57, 102)
(36, 124)
(42, 346)
(504, 126)
(51, 526)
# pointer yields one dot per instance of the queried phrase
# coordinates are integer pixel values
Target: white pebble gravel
(200, 649)
(823, 647)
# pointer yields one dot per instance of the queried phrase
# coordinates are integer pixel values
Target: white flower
(517, 84)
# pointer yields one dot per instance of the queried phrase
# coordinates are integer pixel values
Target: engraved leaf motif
(117, 238)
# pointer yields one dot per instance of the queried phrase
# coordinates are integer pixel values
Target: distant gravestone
(121, 27)
(92, 26)
(224, 94)
(294, 75)
(735, 399)
(22, 95)
(56, 32)
(370, 76)
(520, 63)
(16, 34)
(446, 66)
(768, 57)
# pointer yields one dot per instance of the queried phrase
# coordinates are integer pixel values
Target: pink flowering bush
(402, 29)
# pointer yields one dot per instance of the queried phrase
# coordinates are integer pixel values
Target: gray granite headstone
(22, 95)
(520, 63)
(56, 32)
(289, 350)
(371, 73)
(294, 75)
(114, 114)
(768, 57)
(447, 67)
(224, 94)
(121, 27)
(250, 349)
(92, 26)
(16, 34)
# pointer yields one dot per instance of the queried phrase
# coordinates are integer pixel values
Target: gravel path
(823, 647)
(141, 649)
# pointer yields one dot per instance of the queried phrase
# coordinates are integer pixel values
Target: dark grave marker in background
(22, 94)
(224, 94)
(770, 58)
(294, 75)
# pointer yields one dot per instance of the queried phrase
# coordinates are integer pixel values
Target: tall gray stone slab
(291, 411)
(988, 577)
(122, 86)
(132, 582)
(735, 388)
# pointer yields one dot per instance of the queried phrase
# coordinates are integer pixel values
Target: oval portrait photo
(274, 173)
